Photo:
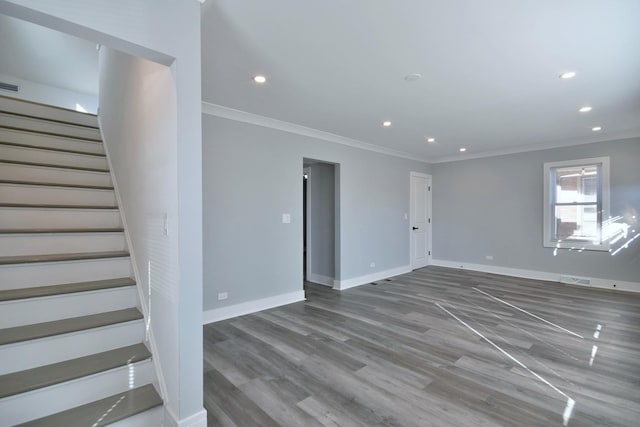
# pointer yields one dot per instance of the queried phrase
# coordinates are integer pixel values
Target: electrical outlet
(489, 257)
(223, 295)
(373, 264)
(286, 218)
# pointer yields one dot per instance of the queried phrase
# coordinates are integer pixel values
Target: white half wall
(138, 121)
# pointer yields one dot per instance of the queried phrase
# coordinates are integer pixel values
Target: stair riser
(151, 418)
(19, 218)
(39, 403)
(34, 155)
(46, 112)
(46, 309)
(50, 141)
(42, 244)
(48, 126)
(53, 175)
(45, 351)
(20, 276)
(12, 193)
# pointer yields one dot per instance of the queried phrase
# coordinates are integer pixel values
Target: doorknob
(414, 228)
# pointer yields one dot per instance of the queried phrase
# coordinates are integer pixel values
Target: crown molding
(268, 122)
(537, 147)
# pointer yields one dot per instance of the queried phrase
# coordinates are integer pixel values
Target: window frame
(549, 202)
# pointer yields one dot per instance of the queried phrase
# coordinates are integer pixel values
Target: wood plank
(43, 376)
(428, 348)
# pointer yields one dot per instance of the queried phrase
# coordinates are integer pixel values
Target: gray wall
(251, 175)
(493, 206)
(321, 214)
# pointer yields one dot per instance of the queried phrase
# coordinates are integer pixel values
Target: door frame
(305, 232)
(319, 279)
(429, 178)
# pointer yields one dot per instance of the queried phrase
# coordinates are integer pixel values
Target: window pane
(576, 199)
(577, 184)
(577, 223)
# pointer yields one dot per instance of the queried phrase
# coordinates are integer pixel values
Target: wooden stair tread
(60, 230)
(44, 376)
(67, 288)
(60, 150)
(50, 165)
(54, 206)
(50, 133)
(55, 184)
(26, 259)
(40, 140)
(64, 326)
(105, 411)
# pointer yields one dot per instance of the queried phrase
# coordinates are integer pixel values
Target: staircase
(72, 350)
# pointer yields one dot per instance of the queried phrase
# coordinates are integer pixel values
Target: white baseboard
(593, 282)
(199, 419)
(368, 278)
(217, 314)
(320, 279)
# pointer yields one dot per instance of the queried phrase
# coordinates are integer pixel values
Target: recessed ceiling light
(462, 150)
(386, 124)
(596, 128)
(585, 109)
(568, 75)
(259, 79)
(431, 140)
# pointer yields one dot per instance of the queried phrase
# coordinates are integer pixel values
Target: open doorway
(320, 224)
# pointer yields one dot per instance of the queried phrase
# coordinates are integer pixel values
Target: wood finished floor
(409, 352)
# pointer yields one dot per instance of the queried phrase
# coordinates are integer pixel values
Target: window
(576, 204)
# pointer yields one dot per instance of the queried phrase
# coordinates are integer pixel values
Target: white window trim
(547, 216)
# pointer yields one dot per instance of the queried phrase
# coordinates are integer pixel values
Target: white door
(420, 219)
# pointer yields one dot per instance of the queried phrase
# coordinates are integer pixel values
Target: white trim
(429, 178)
(222, 313)
(268, 122)
(368, 278)
(307, 221)
(618, 285)
(548, 218)
(199, 419)
(320, 279)
(532, 147)
(255, 119)
(162, 385)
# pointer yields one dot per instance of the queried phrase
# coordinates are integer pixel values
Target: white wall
(138, 121)
(51, 95)
(168, 32)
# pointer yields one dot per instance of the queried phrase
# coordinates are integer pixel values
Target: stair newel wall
(137, 117)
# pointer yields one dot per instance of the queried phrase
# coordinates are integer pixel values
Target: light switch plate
(286, 218)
